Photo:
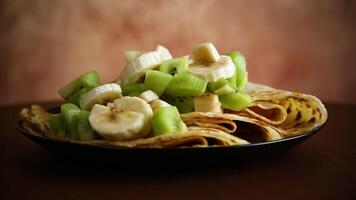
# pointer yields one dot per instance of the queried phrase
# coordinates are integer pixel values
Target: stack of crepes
(274, 114)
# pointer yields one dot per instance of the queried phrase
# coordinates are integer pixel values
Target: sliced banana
(165, 54)
(134, 104)
(211, 72)
(100, 95)
(136, 68)
(125, 119)
(130, 55)
(205, 53)
(207, 103)
(157, 103)
(148, 96)
(114, 125)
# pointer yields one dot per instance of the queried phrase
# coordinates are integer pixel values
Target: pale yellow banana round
(205, 53)
(134, 104)
(137, 67)
(130, 55)
(117, 126)
(138, 105)
(100, 95)
(148, 96)
(158, 103)
(212, 72)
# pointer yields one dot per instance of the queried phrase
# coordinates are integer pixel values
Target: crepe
(273, 114)
(223, 122)
(291, 113)
(35, 121)
(244, 127)
(195, 137)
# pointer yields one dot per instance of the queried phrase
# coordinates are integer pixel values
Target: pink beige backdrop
(298, 45)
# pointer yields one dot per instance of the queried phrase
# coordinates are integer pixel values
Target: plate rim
(26, 133)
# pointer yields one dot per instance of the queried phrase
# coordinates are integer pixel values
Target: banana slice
(138, 105)
(130, 55)
(148, 96)
(100, 95)
(114, 125)
(211, 72)
(134, 104)
(165, 54)
(205, 53)
(125, 119)
(157, 103)
(136, 68)
(207, 103)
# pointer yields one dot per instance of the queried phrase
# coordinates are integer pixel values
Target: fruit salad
(201, 99)
(153, 90)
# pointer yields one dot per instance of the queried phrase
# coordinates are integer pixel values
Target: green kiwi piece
(85, 132)
(74, 99)
(157, 81)
(241, 81)
(240, 78)
(133, 89)
(212, 86)
(185, 84)
(89, 79)
(226, 89)
(56, 124)
(221, 86)
(235, 101)
(175, 65)
(167, 120)
(70, 113)
(184, 104)
(232, 80)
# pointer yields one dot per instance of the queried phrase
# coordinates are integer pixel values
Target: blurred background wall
(299, 45)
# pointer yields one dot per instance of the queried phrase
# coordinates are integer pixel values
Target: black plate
(130, 156)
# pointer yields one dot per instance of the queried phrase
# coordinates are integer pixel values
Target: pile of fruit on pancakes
(191, 101)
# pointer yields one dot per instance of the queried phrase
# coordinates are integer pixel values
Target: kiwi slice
(221, 86)
(72, 123)
(157, 81)
(235, 101)
(184, 104)
(133, 89)
(85, 132)
(74, 99)
(185, 84)
(174, 66)
(167, 120)
(56, 124)
(89, 79)
(241, 81)
(240, 78)
(212, 86)
(226, 89)
(70, 113)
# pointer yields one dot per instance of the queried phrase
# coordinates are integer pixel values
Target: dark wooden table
(324, 167)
